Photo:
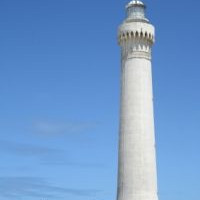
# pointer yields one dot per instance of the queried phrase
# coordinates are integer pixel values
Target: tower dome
(135, 3)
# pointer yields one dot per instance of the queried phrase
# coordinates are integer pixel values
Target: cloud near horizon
(32, 187)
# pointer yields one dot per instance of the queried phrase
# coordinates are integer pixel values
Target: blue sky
(59, 86)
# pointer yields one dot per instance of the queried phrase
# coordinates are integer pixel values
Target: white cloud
(55, 128)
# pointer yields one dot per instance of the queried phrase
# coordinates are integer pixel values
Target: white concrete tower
(137, 176)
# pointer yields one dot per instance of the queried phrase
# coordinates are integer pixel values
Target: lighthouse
(137, 174)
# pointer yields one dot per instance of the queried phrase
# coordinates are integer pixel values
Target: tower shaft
(137, 177)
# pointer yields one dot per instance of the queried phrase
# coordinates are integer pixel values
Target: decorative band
(124, 36)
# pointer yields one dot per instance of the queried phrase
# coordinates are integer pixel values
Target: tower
(137, 176)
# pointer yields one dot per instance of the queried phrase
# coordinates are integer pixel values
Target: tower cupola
(136, 11)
